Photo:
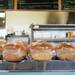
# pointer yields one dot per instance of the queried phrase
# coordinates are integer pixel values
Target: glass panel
(68, 4)
(37, 4)
(6, 4)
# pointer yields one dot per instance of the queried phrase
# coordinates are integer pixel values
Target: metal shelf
(59, 40)
(53, 27)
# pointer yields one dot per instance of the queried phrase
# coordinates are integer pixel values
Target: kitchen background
(17, 21)
(21, 20)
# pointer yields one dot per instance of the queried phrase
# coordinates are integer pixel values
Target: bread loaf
(41, 51)
(65, 51)
(14, 51)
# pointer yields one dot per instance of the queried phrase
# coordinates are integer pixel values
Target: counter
(39, 73)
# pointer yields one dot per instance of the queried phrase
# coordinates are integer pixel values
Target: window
(6, 4)
(68, 4)
(37, 4)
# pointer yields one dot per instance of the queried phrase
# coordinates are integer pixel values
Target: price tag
(69, 34)
(36, 26)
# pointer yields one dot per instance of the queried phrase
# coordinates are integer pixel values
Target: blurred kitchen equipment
(57, 17)
(71, 18)
(24, 38)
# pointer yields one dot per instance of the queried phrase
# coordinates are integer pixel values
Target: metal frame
(53, 27)
(18, 37)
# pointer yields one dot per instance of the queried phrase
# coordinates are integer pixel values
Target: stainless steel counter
(35, 66)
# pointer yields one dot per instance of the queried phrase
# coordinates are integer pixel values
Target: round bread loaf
(41, 51)
(14, 51)
(65, 51)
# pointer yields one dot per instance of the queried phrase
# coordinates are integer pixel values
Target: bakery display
(41, 51)
(65, 51)
(15, 51)
(38, 50)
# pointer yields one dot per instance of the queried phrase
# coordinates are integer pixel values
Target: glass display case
(54, 34)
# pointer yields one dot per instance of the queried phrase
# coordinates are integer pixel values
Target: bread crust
(65, 51)
(41, 51)
(14, 51)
